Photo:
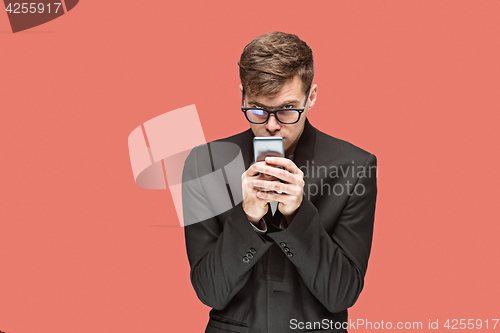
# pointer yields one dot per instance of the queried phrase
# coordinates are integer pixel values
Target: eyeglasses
(261, 116)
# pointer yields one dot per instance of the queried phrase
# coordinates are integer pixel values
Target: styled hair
(271, 59)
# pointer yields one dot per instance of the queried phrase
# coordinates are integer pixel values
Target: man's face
(292, 95)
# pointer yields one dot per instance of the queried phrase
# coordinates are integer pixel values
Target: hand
(255, 208)
(291, 189)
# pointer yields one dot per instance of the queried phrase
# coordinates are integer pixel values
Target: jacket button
(249, 255)
(246, 260)
(286, 249)
(252, 251)
(283, 244)
(289, 254)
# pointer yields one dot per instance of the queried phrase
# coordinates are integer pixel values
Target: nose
(272, 124)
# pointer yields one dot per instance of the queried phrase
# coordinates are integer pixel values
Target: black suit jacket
(310, 272)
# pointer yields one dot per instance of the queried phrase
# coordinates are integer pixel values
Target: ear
(241, 88)
(313, 95)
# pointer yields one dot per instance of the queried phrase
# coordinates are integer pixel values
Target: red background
(83, 249)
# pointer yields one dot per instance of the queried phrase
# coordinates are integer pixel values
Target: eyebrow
(292, 101)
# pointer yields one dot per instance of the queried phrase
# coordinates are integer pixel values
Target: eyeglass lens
(284, 116)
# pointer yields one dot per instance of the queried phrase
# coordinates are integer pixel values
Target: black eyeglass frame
(269, 112)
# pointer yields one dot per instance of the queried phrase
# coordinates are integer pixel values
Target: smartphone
(264, 146)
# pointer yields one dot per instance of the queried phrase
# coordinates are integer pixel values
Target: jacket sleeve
(333, 265)
(221, 254)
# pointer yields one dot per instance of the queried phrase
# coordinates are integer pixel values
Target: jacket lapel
(305, 147)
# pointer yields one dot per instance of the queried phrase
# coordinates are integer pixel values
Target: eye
(289, 106)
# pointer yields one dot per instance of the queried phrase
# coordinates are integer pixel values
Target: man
(290, 255)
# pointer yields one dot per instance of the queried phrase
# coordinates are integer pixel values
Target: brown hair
(271, 59)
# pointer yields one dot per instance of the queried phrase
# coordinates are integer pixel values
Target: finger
(284, 162)
(263, 176)
(264, 185)
(268, 186)
(268, 196)
(253, 171)
(282, 174)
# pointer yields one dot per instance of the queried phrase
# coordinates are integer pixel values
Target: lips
(37, 12)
